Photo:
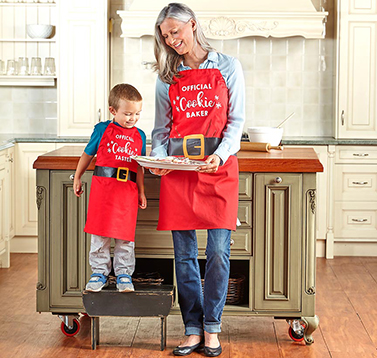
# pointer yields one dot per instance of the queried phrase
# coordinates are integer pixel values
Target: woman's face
(178, 35)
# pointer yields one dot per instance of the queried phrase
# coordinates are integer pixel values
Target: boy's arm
(140, 186)
(80, 170)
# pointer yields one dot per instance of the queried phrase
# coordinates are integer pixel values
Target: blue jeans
(202, 311)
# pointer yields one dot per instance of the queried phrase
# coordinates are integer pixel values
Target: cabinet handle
(342, 117)
(360, 220)
(10, 159)
(360, 182)
(72, 177)
(361, 154)
(99, 115)
(278, 180)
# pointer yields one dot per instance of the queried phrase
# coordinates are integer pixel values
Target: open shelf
(27, 40)
(38, 81)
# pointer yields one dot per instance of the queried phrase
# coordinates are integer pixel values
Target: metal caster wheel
(296, 330)
(297, 337)
(71, 331)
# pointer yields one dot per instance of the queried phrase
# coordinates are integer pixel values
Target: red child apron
(113, 201)
(190, 200)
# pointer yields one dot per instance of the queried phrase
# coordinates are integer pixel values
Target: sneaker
(97, 282)
(124, 283)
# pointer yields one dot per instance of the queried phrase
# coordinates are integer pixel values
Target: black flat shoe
(212, 352)
(186, 350)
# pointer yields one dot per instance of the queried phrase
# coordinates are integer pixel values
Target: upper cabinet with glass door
(357, 69)
(18, 46)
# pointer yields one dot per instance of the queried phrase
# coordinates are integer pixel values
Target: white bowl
(270, 135)
(39, 31)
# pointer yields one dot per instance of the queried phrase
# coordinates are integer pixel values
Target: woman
(199, 114)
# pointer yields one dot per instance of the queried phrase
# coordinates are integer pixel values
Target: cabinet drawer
(356, 154)
(355, 182)
(151, 241)
(355, 220)
(245, 186)
(149, 216)
(152, 186)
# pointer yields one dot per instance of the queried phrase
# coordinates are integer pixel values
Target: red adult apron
(190, 200)
(113, 201)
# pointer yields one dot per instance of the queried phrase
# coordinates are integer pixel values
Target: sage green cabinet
(278, 221)
(275, 243)
(63, 246)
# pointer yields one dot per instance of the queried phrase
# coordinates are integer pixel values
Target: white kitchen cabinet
(356, 110)
(6, 206)
(355, 200)
(83, 65)
(25, 204)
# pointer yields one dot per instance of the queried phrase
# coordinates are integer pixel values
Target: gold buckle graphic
(122, 174)
(201, 146)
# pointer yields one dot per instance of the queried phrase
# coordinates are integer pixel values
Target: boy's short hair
(123, 91)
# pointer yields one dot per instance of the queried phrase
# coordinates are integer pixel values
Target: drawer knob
(72, 177)
(231, 242)
(360, 182)
(278, 180)
(360, 154)
(360, 220)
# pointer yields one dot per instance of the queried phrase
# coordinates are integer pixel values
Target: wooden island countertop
(290, 160)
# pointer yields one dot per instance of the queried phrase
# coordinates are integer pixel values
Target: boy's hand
(77, 187)
(142, 201)
(160, 172)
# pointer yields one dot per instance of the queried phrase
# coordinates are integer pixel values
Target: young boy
(117, 189)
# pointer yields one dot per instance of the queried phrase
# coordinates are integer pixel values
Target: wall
(281, 75)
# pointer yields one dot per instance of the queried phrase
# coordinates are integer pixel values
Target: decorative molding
(312, 199)
(226, 27)
(40, 286)
(235, 24)
(310, 290)
(40, 191)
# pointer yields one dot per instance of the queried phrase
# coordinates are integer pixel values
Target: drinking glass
(2, 67)
(23, 66)
(49, 69)
(36, 66)
(11, 67)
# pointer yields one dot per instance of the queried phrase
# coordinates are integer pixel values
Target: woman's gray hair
(167, 59)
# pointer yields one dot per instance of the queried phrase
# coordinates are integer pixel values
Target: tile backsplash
(281, 76)
(28, 110)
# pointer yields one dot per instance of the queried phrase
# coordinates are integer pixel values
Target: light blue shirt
(231, 71)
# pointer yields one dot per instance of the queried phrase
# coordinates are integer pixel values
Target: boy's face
(127, 114)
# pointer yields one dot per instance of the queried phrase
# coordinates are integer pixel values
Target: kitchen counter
(290, 160)
(7, 140)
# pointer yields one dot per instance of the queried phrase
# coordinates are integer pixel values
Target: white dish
(270, 135)
(39, 31)
(153, 162)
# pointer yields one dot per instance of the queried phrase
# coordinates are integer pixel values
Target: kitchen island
(273, 249)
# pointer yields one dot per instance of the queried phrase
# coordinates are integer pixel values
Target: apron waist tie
(120, 174)
(194, 146)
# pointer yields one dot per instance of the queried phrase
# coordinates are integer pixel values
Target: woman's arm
(162, 124)
(230, 143)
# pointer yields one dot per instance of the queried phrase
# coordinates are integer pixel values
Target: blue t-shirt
(99, 129)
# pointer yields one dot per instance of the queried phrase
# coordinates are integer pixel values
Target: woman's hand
(160, 172)
(213, 164)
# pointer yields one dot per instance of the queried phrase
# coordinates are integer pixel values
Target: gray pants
(99, 256)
